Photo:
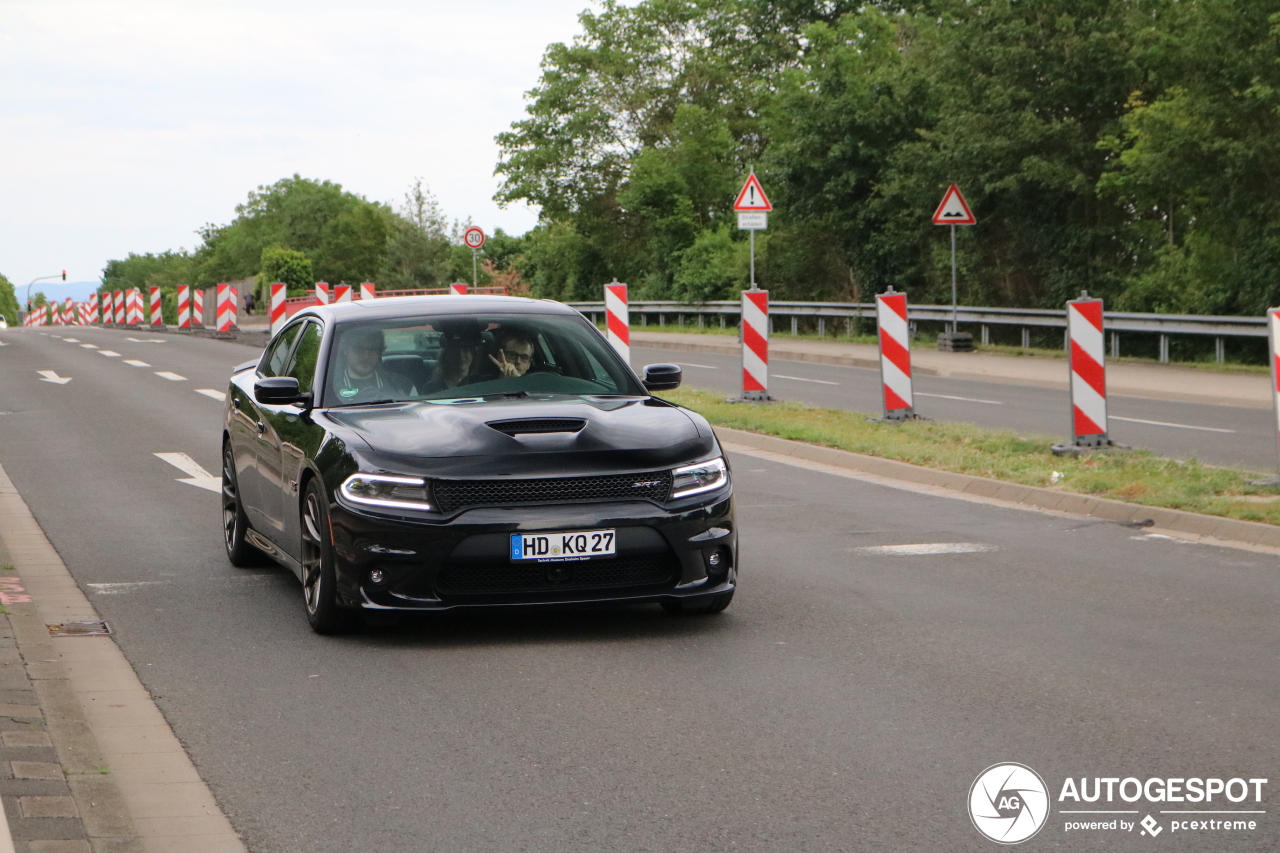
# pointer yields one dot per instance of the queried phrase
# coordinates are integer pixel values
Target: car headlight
(385, 490)
(701, 477)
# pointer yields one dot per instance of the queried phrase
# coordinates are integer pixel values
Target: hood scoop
(542, 426)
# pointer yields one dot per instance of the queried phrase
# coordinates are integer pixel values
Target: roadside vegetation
(1136, 476)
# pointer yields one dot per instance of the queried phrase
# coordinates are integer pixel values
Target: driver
(515, 353)
(363, 379)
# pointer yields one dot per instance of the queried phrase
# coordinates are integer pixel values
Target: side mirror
(279, 391)
(662, 377)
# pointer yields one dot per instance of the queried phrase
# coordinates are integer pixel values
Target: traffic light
(64, 275)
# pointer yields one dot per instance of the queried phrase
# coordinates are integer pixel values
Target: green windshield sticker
(349, 392)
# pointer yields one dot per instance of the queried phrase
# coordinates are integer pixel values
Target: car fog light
(714, 559)
(377, 576)
(717, 561)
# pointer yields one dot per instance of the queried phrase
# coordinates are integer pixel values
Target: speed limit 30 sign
(473, 237)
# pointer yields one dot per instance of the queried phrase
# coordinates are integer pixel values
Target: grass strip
(1136, 476)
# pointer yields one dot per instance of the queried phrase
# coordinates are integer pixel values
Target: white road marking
(3, 344)
(199, 477)
(691, 364)
(109, 353)
(1166, 423)
(72, 340)
(136, 363)
(212, 394)
(965, 399)
(117, 588)
(51, 376)
(147, 340)
(802, 379)
(927, 549)
(172, 377)
(89, 346)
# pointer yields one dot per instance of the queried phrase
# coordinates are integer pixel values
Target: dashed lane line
(1167, 424)
(134, 362)
(691, 364)
(927, 549)
(147, 340)
(89, 346)
(965, 399)
(109, 353)
(172, 377)
(802, 379)
(72, 340)
(212, 394)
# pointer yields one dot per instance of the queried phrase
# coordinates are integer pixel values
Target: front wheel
(319, 578)
(705, 607)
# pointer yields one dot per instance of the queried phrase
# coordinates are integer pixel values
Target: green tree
(417, 253)
(8, 301)
(285, 266)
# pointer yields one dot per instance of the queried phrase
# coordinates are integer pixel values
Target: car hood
(458, 439)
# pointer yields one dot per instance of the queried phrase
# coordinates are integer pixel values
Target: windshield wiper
(371, 403)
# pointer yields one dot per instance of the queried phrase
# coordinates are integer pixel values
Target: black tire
(234, 521)
(704, 607)
(319, 578)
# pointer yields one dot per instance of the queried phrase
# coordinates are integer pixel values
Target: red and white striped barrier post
(84, 312)
(117, 307)
(95, 316)
(226, 308)
(368, 290)
(157, 312)
(617, 317)
(755, 345)
(108, 313)
(1088, 376)
(458, 289)
(279, 292)
(895, 356)
(322, 293)
(135, 307)
(197, 306)
(342, 293)
(184, 306)
(69, 312)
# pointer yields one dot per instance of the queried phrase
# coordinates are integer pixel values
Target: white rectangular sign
(753, 221)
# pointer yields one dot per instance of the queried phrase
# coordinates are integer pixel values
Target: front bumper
(387, 563)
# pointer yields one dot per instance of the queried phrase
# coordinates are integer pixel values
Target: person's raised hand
(505, 367)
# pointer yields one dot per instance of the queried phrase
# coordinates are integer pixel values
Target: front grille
(505, 577)
(453, 495)
(537, 425)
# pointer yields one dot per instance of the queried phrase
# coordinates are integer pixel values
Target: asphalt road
(1219, 435)
(845, 702)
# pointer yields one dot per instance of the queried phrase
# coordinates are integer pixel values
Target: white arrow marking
(212, 394)
(109, 353)
(172, 377)
(136, 363)
(187, 465)
(146, 340)
(50, 376)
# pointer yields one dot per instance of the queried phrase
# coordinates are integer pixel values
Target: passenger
(362, 378)
(454, 366)
(515, 352)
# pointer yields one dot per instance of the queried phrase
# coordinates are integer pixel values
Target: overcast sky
(125, 125)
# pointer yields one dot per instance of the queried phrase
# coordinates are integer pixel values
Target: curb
(775, 351)
(1189, 524)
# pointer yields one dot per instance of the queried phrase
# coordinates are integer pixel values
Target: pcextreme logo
(1008, 803)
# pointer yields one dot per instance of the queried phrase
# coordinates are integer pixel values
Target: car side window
(273, 361)
(303, 364)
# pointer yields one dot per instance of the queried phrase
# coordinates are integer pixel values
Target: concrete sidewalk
(1157, 381)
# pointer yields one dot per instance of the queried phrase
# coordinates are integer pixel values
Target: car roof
(393, 307)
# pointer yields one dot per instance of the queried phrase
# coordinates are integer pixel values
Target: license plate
(562, 547)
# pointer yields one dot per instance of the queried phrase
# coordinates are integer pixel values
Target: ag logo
(1008, 803)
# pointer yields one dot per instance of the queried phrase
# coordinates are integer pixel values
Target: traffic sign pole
(474, 238)
(953, 211)
(955, 310)
(754, 203)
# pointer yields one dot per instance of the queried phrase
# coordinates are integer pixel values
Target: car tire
(319, 578)
(704, 607)
(234, 521)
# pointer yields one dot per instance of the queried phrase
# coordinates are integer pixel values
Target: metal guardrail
(1218, 327)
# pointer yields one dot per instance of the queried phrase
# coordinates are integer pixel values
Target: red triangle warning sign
(954, 210)
(752, 196)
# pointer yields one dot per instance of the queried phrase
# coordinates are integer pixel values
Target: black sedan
(430, 453)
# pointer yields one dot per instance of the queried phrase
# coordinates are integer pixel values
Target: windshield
(471, 356)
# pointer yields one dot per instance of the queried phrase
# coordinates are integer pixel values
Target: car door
(247, 424)
(283, 449)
